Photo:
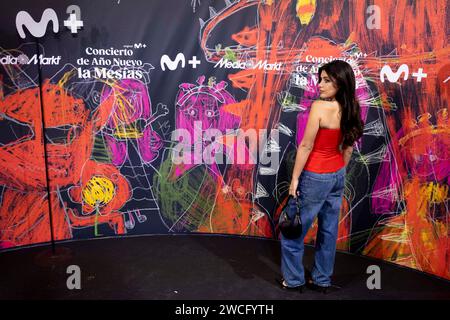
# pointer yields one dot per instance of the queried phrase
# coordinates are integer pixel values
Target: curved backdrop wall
(123, 117)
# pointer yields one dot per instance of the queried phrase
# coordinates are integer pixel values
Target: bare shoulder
(319, 107)
(317, 104)
(325, 106)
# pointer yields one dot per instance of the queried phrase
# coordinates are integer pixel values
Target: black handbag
(290, 222)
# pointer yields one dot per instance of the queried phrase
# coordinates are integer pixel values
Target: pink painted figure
(203, 104)
(424, 154)
(132, 118)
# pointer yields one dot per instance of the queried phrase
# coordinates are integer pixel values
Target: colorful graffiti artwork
(90, 150)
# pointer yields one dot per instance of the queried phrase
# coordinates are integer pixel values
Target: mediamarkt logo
(238, 64)
(35, 59)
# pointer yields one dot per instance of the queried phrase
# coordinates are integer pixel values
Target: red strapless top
(326, 156)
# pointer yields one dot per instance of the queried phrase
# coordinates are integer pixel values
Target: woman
(334, 125)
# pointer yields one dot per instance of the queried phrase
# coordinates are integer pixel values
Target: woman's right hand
(293, 188)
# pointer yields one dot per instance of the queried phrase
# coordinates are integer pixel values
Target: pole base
(50, 256)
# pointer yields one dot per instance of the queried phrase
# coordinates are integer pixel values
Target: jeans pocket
(338, 188)
(311, 190)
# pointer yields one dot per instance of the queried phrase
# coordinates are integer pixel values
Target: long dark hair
(341, 73)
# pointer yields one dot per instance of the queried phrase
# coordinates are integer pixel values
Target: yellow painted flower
(98, 191)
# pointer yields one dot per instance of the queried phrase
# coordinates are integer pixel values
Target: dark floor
(191, 267)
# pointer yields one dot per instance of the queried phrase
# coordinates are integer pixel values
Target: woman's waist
(319, 162)
(326, 153)
(324, 175)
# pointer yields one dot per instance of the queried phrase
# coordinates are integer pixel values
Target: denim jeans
(321, 196)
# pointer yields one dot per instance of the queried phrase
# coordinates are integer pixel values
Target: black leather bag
(290, 222)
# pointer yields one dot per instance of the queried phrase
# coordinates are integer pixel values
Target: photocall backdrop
(122, 117)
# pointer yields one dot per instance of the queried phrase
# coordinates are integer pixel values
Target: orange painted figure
(70, 126)
(418, 236)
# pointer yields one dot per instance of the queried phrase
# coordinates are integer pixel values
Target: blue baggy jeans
(321, 196)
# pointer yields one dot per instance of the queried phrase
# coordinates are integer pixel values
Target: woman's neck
(328, 99)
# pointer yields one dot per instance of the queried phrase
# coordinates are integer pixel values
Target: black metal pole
(45, 148)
